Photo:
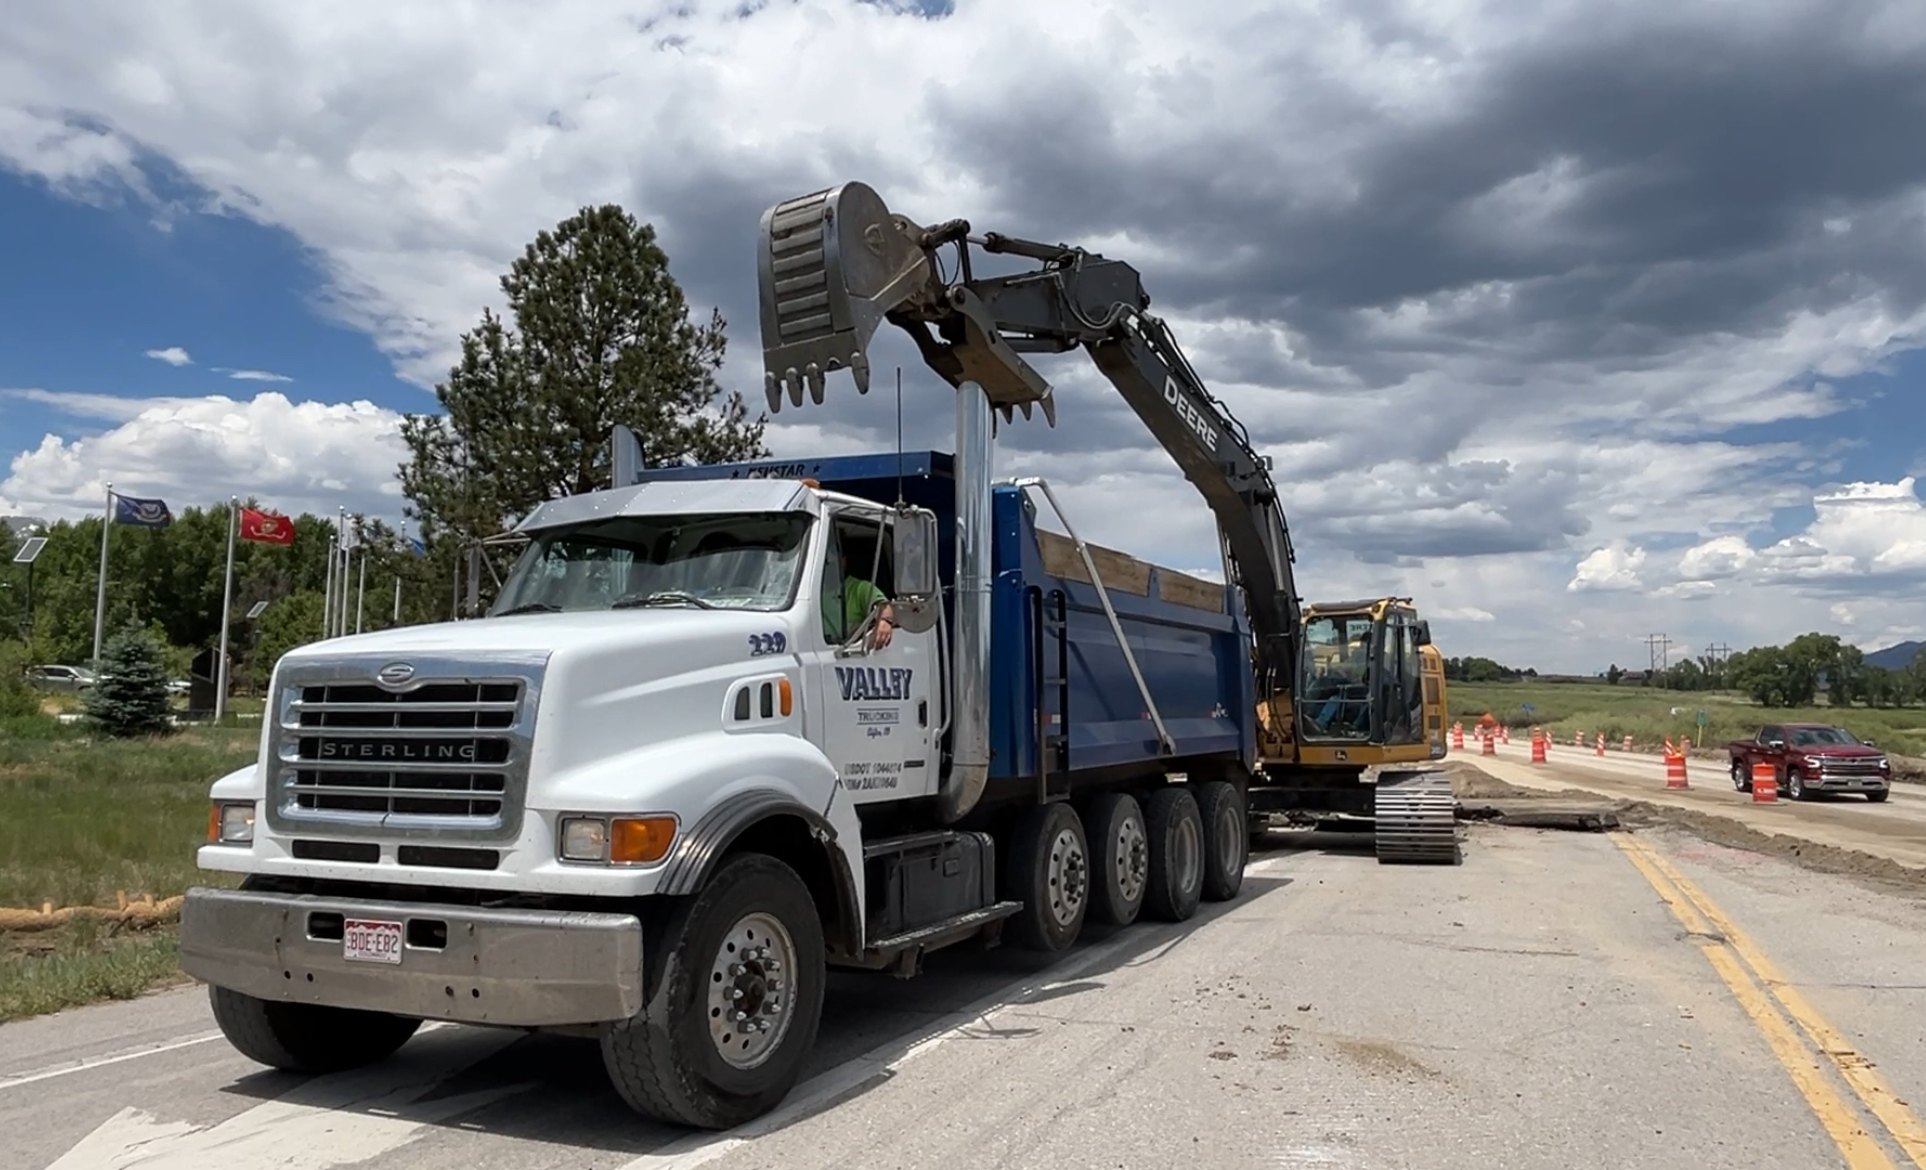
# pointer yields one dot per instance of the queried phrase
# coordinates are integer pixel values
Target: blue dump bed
(1189, 638)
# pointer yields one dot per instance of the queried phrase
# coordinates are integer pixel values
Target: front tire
(1877, 795)
(1176, 854)
(1049, 872)
(1794, 786)
(307, 1038)
(1741, 776)
(1226, 839)
(733, 1005)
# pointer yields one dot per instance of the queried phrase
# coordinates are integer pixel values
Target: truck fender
(698, 851)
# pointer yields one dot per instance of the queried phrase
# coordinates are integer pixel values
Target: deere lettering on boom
(1340, 687)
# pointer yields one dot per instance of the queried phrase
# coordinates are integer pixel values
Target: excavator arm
(836, 264)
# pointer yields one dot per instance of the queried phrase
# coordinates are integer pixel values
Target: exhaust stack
(970, 726)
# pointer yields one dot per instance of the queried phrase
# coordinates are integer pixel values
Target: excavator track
(1417, 818)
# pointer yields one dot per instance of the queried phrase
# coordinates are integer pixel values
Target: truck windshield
(734, 560)
(1821, 736)
(1336, 700)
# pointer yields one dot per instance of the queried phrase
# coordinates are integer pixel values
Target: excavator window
(1337, 677)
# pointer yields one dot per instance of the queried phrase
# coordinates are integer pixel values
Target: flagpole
(100, 593)
(327, 590)
(227, 609)
(361, 591)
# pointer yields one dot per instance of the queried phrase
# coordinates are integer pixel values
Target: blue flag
(416, 547)
(141, 513)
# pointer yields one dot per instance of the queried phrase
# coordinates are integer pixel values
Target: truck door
(877, 711)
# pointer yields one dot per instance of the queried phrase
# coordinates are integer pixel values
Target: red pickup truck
(1812, 757)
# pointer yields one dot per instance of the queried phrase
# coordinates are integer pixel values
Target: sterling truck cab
(722, 730)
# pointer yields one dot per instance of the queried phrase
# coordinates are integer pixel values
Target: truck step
(949, 930)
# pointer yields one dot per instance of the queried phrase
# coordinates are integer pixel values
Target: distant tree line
(1794, 675)
(1483, 670)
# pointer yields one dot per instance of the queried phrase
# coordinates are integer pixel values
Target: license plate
(371, 940)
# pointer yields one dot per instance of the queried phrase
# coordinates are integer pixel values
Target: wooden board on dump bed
(1126, 574)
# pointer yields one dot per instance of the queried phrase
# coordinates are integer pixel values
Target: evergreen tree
(601, 336)
(130, 697)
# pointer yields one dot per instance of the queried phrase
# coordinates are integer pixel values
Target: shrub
(130, 697)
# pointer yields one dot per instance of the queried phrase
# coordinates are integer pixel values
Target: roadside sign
(1527, 708)
(1703, 720)
(256, 611)
(29, 550)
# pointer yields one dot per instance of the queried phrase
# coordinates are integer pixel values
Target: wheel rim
(1795, 788)
(1133, 858)
(1230, 837)
(1069, 877)
(1187, 855)
(751, 989)
(1738, 776)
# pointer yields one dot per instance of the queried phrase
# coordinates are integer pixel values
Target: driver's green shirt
(858, 595)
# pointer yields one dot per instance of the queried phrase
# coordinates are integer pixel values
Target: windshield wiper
(530, 607)
(666, 597)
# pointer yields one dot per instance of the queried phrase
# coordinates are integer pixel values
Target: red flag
(266, 527)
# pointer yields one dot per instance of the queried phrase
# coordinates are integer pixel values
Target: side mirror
(1870, 742)
(1424, 633)
(914, 554)
(918, 589)
(1777, 745)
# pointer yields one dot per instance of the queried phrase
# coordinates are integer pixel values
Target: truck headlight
(625, 840)
(231, 824)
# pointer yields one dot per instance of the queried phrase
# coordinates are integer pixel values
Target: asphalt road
(1560, 1000)
(1895, 830)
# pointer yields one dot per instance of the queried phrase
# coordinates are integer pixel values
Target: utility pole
(1718, 652)
(1658, 648)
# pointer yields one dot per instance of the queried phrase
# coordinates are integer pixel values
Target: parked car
(1813, 757)
(60, 678)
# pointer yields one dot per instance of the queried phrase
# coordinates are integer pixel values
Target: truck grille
(435, 757)
(1852, 767)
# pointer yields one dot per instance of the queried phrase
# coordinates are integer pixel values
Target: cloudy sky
(1577, 321)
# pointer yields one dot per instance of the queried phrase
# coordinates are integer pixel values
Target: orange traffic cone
(1488, 745)
(1765, 784)
(1458, 737)
(1628, 743)
(1601, 745)
(1578, 738)
(1674, 768)
(1537, 747)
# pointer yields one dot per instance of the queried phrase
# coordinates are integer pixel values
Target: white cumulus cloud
(173, 355)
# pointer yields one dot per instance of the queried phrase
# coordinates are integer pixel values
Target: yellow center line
(1858, 1072)
(1861, 1151)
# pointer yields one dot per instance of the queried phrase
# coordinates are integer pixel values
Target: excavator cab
(1370, 686)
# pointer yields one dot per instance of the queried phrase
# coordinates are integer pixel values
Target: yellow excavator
(1370, 694)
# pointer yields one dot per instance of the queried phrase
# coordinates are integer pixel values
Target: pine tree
(601, 336)
(130, 697)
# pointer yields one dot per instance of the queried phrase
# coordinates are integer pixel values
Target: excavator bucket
(830, 266)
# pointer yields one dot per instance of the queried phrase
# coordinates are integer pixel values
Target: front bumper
(519, 968)
(1823, 781)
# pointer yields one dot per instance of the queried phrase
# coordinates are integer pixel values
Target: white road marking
(323, 1123)
(887, 1058)
(46, 1074)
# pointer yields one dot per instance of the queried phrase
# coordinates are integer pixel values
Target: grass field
(83, 818)
(1648, 715)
